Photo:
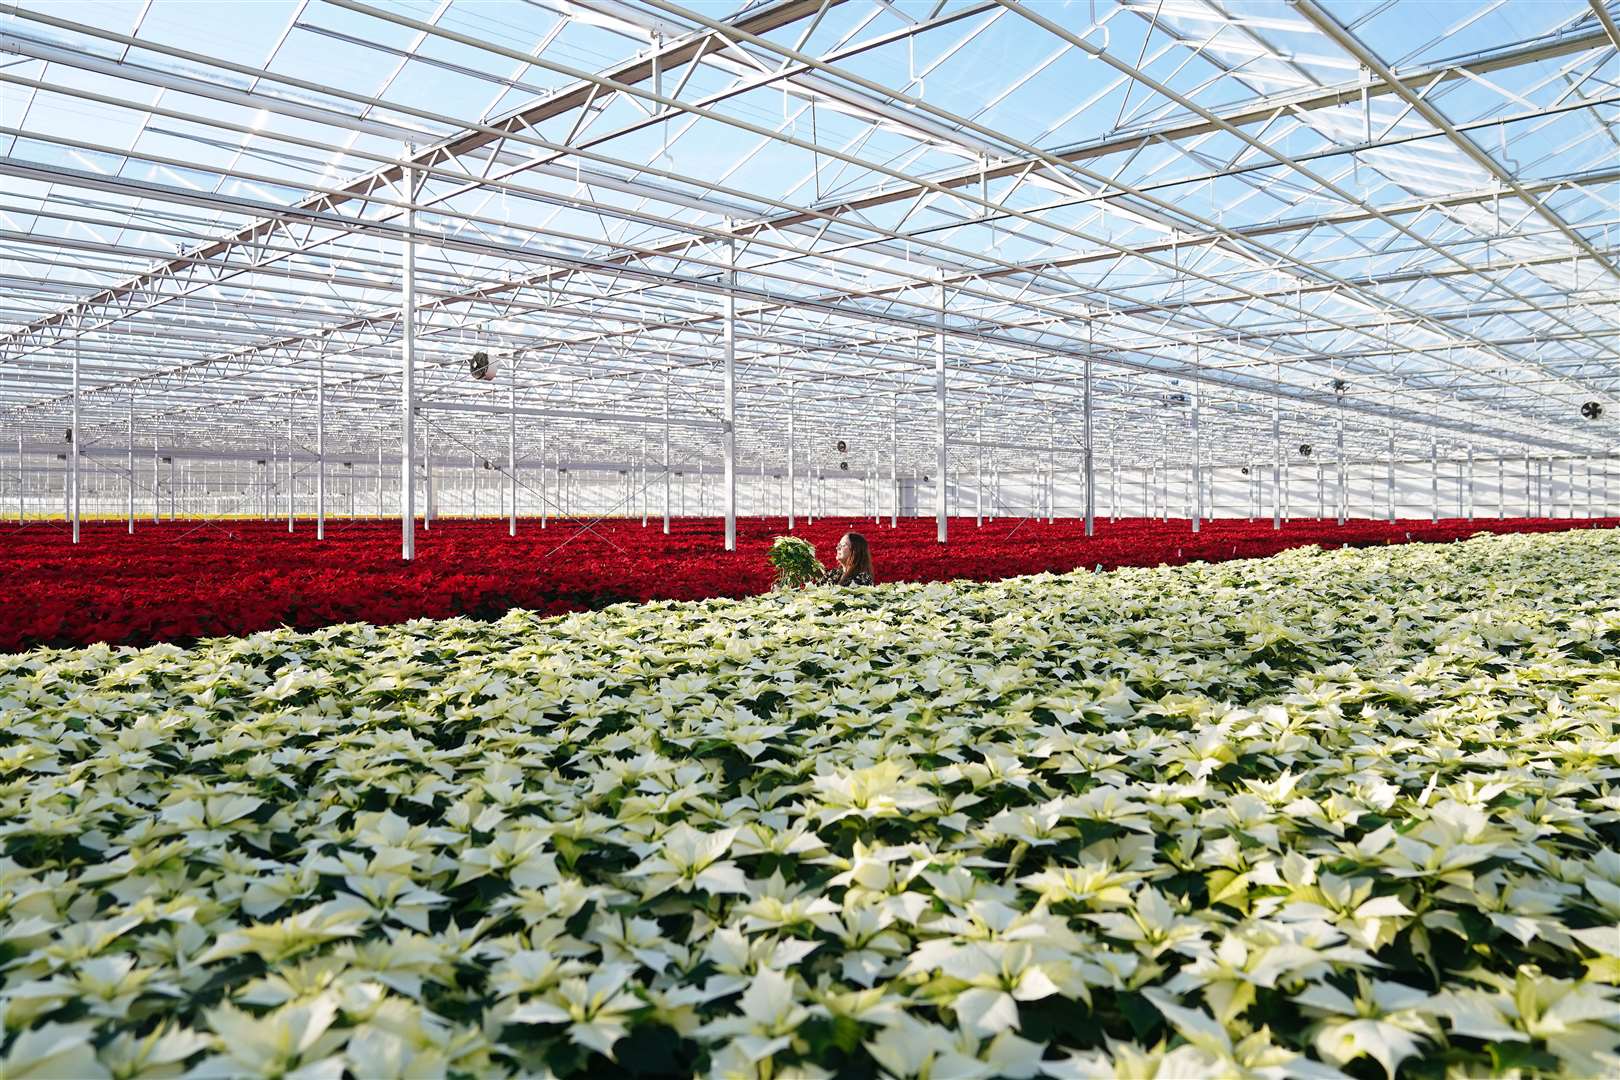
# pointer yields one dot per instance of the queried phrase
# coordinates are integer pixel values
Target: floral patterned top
(832, 576)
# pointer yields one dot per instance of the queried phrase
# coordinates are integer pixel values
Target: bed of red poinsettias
(183, 580)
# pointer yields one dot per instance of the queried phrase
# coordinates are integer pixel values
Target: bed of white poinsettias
(1348, 812)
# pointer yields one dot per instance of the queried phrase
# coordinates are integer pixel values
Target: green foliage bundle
(795, 561)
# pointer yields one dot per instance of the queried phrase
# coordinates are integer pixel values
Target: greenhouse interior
(932, 542)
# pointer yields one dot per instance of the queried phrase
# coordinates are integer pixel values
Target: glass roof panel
(1223, 192)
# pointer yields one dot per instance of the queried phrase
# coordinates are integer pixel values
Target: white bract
(1328, 812)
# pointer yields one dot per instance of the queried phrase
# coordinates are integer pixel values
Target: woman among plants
(796, 565)
(854, 562)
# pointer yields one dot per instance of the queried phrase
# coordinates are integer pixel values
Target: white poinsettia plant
(1347, 813)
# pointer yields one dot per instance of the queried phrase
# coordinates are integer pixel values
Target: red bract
(184, 580)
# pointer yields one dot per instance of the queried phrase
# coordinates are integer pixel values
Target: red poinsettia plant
(183, 580)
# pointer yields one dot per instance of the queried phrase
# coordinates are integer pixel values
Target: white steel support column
(1164, 488)
(171, 485)
(20, 475)
(407, 442)
(792, 465)
(1343, 494)
(1528, 509)
(511, 448)
(1589, 486)
(427, 475)
(476, 466)
(1434, 481)
(320, 451)
(941, 464)
(1090, 459)
(730, 423)
(67, 489)
(666, 455)
(978, 483)
(290, 406)
(379, 478)
(894, 462)
(129, 465)
(877, 486)
(1198, 460)
(1321, 492)
(1049, 488)
(1501, 484)
(1276, 454)
(545, 503)
(1287, 492)
(1469, 481)
(1113, 487)
(73, 448)
(1389, 487)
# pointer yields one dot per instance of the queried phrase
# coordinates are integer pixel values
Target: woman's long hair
(862, 561)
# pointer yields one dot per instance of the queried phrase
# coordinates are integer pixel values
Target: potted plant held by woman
(795, 562)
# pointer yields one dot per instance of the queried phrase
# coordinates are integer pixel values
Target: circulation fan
(488, 464)
(843, 447)
(479, 364)
(1245, 470)
(843, 466)
(1592, 410)
(1340, 386)
(1305, 449)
